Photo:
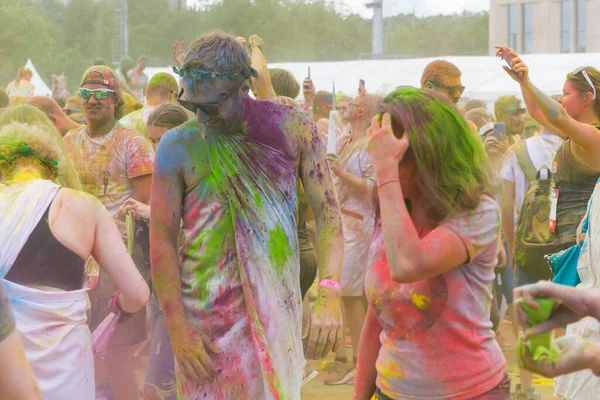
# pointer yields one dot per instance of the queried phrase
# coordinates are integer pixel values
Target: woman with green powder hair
(427, 333)
(66, 174)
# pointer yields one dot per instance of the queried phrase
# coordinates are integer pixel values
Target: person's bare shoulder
(79, 203)
(300, 126)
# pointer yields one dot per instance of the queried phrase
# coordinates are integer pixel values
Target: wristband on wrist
(329, 283)
(386, 182)
(113, 305)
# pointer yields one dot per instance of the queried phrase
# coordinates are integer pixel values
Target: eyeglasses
(453, 90)
(211, 109)
(99, 94)
(587, 78)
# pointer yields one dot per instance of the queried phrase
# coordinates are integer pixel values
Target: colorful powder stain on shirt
(279, 248)
(439, 322)
(107, 164)
(240, 257)
(419, 300)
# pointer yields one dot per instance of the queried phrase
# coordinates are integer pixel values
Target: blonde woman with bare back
(47, 232)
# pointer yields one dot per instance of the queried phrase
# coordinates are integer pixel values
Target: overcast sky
(424, 7)
(421, 7)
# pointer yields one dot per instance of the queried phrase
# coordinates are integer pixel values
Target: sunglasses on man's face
(515, 110)
(211, 109)
(581, 70)
(452, 90)
(99, 94)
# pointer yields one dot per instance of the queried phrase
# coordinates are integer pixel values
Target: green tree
(67, 39)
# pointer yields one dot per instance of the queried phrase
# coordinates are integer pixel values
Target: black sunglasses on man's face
(211, 109)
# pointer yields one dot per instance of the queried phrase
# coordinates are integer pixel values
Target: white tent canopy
(41, 89)
(483, 76)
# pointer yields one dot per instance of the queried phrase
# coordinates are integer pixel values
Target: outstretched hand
(519, 71)
(179, 54)
(255, 41)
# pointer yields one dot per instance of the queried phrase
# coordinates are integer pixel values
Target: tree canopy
(66, 39)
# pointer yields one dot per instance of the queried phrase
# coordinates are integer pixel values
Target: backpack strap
(525, 163)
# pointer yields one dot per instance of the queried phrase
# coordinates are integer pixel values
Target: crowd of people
(215, 218)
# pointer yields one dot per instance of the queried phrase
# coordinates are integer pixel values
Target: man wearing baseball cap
(114, 164)
(139, 80)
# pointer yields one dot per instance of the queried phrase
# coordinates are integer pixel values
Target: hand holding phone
(500, 130)
(505, 54)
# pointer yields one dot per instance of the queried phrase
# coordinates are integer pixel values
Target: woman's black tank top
(44, 261)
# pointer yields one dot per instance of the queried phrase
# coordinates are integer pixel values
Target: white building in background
(545, 26)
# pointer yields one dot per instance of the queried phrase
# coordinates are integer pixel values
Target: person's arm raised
(410, 258)
(112, 256)
(584, 135)
(324, 332)
(262, 83)
(190, 346)
(536, 113)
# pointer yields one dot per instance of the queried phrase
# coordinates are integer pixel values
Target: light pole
(377, 7)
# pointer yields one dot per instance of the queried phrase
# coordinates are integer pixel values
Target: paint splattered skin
(239, 276)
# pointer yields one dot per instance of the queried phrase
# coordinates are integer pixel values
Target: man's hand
(139, 210)
(574, 304)
(308, 89)
(255, 41)
(179, 54)
(324, 330)
(191, 349)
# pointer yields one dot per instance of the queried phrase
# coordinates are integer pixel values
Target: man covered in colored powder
(161, 89)
(443, 77)
(233, 307)
(114, 164)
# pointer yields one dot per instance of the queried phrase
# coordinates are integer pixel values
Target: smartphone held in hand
(500, 130)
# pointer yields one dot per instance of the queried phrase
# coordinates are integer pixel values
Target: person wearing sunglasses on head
(114, 164)
(233, 305)
(443, 77)
(575, 117)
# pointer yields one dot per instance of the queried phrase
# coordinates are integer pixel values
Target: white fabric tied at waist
(57, 340)
(52, 324)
